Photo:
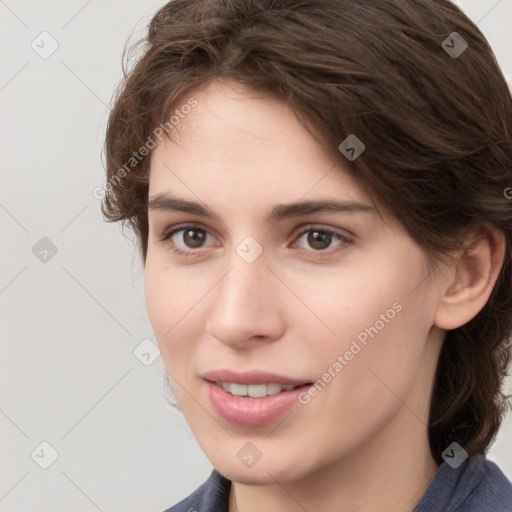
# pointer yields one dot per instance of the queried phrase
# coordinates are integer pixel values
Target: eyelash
(320, 254)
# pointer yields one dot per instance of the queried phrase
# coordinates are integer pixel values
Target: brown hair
(437, 130)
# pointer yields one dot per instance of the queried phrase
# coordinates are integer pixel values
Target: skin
(361, 443)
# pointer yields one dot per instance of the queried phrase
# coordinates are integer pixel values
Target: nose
(246, 304)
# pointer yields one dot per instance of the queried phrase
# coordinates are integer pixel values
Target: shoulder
(211, 496)
(475, 486)
(492, 490)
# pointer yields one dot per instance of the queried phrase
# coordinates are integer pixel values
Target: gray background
(69, 326)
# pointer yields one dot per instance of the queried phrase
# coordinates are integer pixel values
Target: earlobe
(471, 279)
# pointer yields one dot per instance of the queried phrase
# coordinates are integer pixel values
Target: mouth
(256, 390)
(253, 405)
(252, 378)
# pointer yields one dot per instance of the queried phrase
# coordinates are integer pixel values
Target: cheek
(351, 307)
(166, 302)
(168, 294)
(176, 309)
(372, 321)
(158, 300)
(361, 383)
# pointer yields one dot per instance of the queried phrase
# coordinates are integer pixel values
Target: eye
(320, 239)
(194, 236)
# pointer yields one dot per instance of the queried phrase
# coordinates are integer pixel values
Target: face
(241, 288)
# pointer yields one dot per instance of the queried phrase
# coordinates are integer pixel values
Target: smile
(254, 390)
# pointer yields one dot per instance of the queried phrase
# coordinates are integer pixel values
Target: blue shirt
(477, 485)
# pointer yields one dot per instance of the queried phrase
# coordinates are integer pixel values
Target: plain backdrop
(74, 396)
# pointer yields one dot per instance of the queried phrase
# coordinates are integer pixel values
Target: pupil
(196, 240)
(319, 237)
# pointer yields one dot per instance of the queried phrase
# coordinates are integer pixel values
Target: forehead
(243, 142)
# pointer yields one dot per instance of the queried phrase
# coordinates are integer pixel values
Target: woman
(319, 190)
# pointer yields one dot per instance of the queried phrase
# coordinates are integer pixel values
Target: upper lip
(251, 377)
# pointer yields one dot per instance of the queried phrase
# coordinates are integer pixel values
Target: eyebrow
(165, 202)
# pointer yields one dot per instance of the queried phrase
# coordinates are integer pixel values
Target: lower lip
(252, 412)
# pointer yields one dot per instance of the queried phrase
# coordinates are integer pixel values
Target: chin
(260, 476)
(263, 472)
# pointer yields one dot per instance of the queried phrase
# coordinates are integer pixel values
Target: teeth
(254, 390)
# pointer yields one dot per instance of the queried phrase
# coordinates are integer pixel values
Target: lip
(252, 412)
(251, 377)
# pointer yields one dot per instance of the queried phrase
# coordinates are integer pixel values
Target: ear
(471, 279)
